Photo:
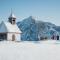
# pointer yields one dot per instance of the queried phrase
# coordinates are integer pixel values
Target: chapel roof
(11, 28)
(12, 15)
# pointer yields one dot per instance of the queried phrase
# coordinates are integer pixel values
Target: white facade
(17, 36)
(9, 30)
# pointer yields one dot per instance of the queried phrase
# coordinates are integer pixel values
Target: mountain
(34, 30)
(29, 29)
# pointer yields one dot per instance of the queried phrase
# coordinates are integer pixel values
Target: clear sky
(45, 10)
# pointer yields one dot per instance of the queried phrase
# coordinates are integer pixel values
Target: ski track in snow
(44, 50)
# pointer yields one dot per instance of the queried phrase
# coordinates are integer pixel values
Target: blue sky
(45, 10)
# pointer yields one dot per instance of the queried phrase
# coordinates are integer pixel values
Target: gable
(12, 28)
(7, 27)
(3, 28)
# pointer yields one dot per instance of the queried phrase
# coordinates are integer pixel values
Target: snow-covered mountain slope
(43, 50)
(32, 28)
(29, 29)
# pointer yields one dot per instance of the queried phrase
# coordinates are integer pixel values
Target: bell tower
(12, 18)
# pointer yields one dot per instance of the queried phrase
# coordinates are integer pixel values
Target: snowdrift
(43, 50)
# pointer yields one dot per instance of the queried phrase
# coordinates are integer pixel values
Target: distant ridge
(31, 28)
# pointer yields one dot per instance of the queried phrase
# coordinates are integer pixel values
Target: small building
(9, 30)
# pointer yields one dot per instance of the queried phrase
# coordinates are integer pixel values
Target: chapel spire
(12, 18)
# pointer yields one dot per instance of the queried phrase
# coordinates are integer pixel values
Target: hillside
(43, 50)
(35, 30)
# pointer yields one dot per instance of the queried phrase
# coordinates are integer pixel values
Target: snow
(3, 27)
(43, 50)
(12, 28)
(12, 15)
(8, 27)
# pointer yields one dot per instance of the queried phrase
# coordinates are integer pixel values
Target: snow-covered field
(43, 50)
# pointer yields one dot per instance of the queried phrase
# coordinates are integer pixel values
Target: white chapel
(9, 30)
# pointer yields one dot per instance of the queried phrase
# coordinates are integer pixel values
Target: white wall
(17, 36)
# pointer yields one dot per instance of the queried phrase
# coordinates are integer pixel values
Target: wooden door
(13, 37)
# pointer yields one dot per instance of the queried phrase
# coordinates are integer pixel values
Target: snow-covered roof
(12, 16)
(8, 27)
